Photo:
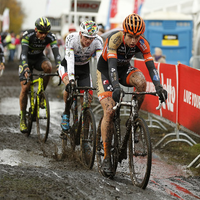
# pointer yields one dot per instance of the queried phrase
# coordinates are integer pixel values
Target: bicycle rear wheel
(140, 153)
(43, 117)
(100, 150)
(88, 139)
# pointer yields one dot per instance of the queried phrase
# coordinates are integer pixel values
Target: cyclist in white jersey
(80, 47)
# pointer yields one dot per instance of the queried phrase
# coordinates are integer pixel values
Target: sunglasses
(88, 38)
(43, 32)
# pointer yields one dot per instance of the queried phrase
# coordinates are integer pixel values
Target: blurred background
(171, 26)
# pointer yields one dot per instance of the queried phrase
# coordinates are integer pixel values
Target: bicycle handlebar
(135, 94)
(41, 75)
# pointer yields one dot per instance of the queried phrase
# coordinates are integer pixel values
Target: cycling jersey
(2, 59)
(117, 54)
(32, 47)
(76, 55)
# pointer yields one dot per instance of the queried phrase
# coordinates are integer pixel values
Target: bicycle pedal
(63, 136)
(100, 153)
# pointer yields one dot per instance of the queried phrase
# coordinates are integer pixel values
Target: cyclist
(80, 46)
(2, 58)
(114, 67)
(33, 43)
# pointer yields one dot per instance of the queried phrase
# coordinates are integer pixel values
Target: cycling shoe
(106, 168)
(23, 127)
(65, 123)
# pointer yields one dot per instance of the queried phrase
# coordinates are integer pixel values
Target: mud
(30, 170)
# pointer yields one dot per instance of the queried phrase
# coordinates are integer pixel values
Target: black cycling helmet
(43, 24)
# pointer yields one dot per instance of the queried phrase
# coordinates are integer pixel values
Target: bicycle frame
(133, 104)
(84, 105)
(40, 88)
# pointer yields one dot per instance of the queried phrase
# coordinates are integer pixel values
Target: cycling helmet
(43, 24)
(134, 24)
(89, 29)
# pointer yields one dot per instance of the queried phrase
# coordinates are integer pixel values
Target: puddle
(9, 106)
(22, 158)
(12, 104)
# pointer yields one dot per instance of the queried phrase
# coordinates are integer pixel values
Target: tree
(16, 14)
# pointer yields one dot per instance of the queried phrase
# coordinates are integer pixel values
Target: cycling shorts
(33, 64)
(104, 86)
(82, 74)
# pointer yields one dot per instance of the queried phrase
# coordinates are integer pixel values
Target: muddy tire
(43, 119)
(88, 139)
(140, 153)
(29, 117)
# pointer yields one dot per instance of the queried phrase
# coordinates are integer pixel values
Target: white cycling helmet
(89, 29)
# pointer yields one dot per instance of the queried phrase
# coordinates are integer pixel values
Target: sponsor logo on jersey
(143, 45)
(105, 82)
(112, 69)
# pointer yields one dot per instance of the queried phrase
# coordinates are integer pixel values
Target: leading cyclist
(33, 43)
(80, 46)
(114, 68)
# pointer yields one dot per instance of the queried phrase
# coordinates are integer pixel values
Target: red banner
(182, 84)
(168, 78)
(150, 102)
(189, 98)
(113, 9)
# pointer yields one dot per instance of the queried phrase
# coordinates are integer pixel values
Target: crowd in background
(12, 45)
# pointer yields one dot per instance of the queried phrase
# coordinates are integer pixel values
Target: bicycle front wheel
(43, 117)
(140, 153)
(88, 139)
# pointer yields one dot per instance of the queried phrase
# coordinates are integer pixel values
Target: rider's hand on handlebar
(162, 93)
(27, 73)
(70, 86)
(116, 94)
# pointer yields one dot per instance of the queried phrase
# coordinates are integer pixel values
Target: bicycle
(39, 110)
(82, 128)
(136, 138)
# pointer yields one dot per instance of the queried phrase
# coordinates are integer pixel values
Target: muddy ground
(33, 171)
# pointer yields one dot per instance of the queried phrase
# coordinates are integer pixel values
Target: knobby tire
(140, 153)
(88, 139)
(43, 120)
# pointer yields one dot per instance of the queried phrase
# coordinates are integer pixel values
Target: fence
(182, 110)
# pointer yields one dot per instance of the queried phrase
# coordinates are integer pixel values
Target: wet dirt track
(32, 171)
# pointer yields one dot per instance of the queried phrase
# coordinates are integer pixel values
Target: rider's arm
(113, 44)
(69, 56)
(143, 45)
(99, 47)
(24, 52)
(56, 53)
(153, 73)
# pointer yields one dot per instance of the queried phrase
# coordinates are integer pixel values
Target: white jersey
(77, 55)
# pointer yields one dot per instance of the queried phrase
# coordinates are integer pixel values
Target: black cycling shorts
(104, 86)
(33, 64)
(81, 71)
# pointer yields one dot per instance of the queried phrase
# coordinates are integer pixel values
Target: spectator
(158, 57)
(71, 29)
(18, 47)
(10, 41)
